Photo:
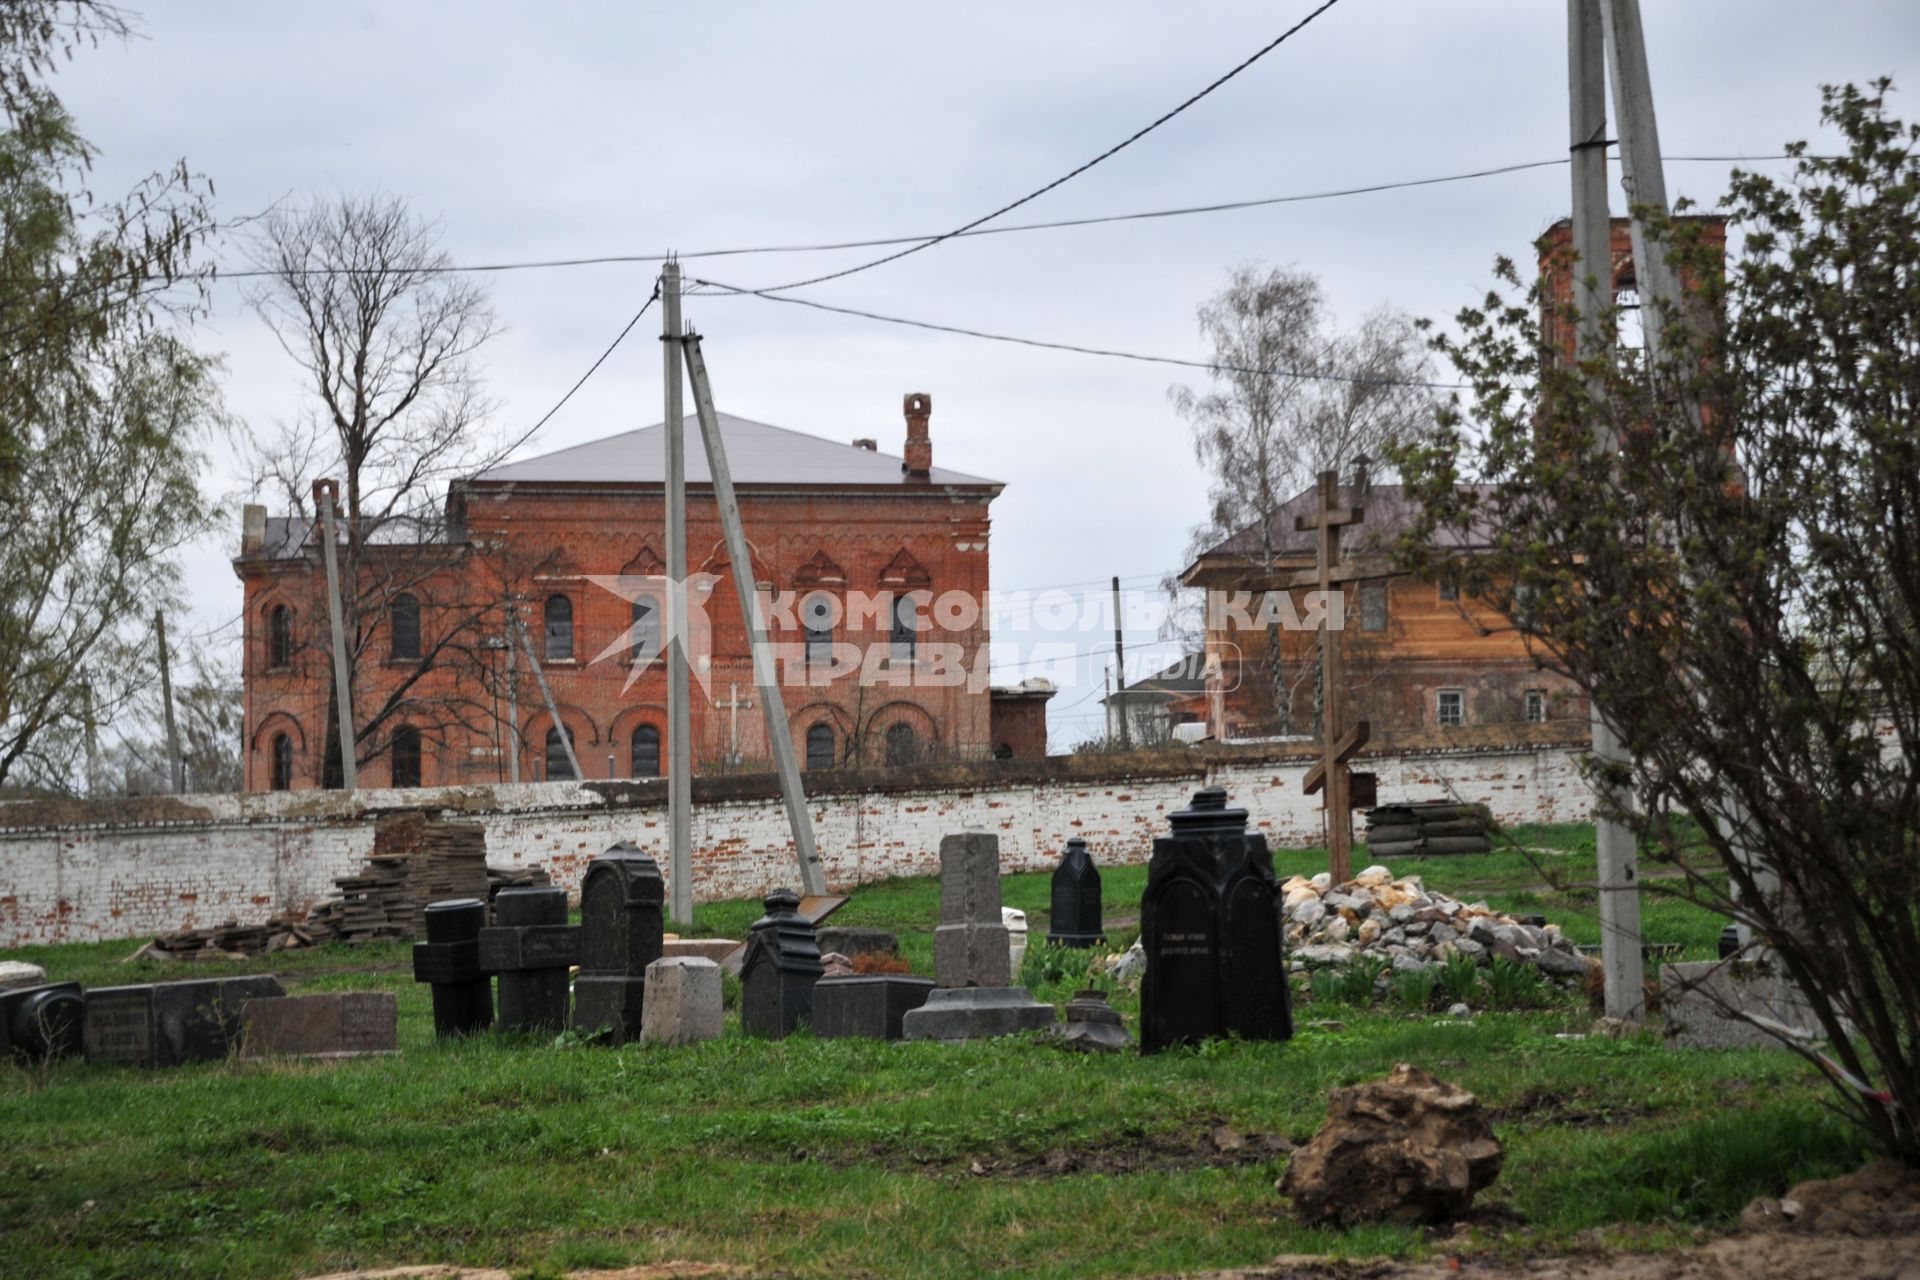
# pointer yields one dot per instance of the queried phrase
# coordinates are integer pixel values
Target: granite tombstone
(781, 966)
(873, 1005)
(683, 1001)
(47, 1021)
(165, 1024)
(974, 996)
(1075, 907)
(1211, 924)
(450, 960)
(621, 923)
(531, 947)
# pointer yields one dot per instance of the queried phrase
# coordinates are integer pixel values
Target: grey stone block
(335, 1024)
(972, 955)
(867, 1004)
(168, 1023)
(683, 1001)
(976, 1013)
(1702, 1001)
(970, 878)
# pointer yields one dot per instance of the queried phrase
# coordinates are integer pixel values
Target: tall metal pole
(176, 767)
(779, 736)
(323, 498)
(1120, 670)
(679, 693)
(1622, 967)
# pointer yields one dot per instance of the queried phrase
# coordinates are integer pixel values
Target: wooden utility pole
(1120, 670)
(772, 703)
(325, 493)
(176, 767)
(679, 691)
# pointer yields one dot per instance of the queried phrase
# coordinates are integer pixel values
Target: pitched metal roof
(759, 454)
(1390, 511)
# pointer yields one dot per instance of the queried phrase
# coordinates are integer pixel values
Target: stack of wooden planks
(414, 862)
(1427, 827)
(234, 940)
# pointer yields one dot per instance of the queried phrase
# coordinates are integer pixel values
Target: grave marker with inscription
(165, 1024)
(335, 1024)
(1210, 922)
(531, 946)
(974, 997)
(621, 923)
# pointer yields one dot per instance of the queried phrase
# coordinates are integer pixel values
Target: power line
(592, 369)
(1073, 173)
(1211, 366)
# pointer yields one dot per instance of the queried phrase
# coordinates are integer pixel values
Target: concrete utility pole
(176, 767)
(324, 492)
(779, 735)
(1120, 670)
(553, 710)
(1641, 171)
(679, 693)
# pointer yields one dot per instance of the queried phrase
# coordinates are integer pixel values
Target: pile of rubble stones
(1411, 926)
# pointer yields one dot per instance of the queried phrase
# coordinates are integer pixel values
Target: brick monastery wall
(73, 872)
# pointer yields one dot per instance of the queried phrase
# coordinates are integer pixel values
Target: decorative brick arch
(620, 731)
(926, 730)
(533, 730)
(820, 711)
(275, 722)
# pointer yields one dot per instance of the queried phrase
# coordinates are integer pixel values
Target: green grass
(830, 1158)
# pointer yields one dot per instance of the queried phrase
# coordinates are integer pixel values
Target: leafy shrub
(1326, 986)
(1360, 978)
(1415, 988)
(1460, 975)
(1513, 985)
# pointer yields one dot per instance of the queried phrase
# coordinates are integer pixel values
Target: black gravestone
(450, 960)
(165, 1024)
(531, 946)
(779, 970)
(1075, 917)
(42, 1022)
(866, 1004)
(621, 897)
(1210, 921)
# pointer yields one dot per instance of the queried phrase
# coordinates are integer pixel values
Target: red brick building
(861, 557)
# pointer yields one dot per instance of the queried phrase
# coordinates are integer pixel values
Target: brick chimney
(253, 529)
(919, 459)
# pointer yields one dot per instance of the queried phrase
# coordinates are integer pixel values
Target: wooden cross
(1338, 743)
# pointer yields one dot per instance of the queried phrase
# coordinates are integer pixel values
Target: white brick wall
(129, 874)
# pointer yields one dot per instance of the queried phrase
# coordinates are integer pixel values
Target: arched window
(559, 624)
(646, 752)
(559, 768)
(902, 633)
(406, 756)
(903, 745)
(646, 631)
(820, 747)
(816, 615)
(282, 779)
(403, 629)
(280, 637)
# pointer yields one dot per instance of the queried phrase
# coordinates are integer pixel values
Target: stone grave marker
(532, 947)
(450, 960)
(1093, 1025)
(1210, 920)
(18, 973)
(621, 923)
(1075, 919)
(165, 1024)
(781, 966)
(334, 1024)
(973, 997)
(683, 1001)
(872, 1005)
(42, 1022)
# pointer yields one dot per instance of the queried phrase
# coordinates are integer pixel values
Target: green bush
(1361, 976)
(1415, 988)
(1513, 985)
(1461, 977)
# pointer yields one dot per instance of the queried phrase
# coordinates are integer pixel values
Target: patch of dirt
(1208, 1146)
(1543, 1106)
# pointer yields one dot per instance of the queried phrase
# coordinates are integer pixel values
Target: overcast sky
(582, 129)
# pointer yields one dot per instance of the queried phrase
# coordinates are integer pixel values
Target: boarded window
(559, 629)
(646, 752)
(282, 762)
(903, 745)
(1373, 606)
(820, 747)
(280, 636)
(403, 629)
(559, 768)
(406, 756)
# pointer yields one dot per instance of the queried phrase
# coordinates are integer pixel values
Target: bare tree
(1292, 395)
(362, 297)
